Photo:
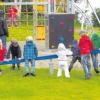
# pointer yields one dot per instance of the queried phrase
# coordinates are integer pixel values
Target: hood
(82, 32)
(85, 37)
(15, 44)
(95, 36)
(74, 43)
(61, 40)
(61, 47)
(29, 43)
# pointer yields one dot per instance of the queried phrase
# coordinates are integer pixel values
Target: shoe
(18, 68)
(32, 74)
(0, 72)
(13, 68)
(88, 76)
(96, 70)
(27, 74)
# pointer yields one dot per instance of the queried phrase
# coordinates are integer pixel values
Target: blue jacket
(30, 51)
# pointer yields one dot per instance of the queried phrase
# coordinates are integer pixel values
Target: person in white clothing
(63, 57)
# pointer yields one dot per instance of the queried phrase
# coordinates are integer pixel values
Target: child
(15, 52)
(86, 46)
(76, 54)
(30, 53)
(63, 54)
(96, 43)
(2, 53)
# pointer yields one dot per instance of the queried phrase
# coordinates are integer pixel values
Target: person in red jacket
(2, 53)
(12, 16)
(86, 46)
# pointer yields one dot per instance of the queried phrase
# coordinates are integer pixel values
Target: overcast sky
(95, 3)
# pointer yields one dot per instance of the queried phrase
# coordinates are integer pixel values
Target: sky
(95, 3)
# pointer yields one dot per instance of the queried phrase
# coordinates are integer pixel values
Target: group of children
(80, 51)
(30, 52)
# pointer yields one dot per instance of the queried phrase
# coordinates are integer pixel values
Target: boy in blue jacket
(30, 53)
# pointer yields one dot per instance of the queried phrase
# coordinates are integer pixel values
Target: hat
(61, 46)
(29, 38)
(82, 32)
(74, 43)
(14, 42)
(94, 33)
(61, 39)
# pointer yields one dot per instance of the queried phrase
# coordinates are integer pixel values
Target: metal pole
(70, 9)
(94, 12)
(51, 67)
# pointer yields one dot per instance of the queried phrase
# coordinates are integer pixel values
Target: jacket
(30, 51)
(85, 45)
(3, 28)
(96, 40)
(2, 54)
(63, 52)
(75, 49)
(14, 50)
(12, 12)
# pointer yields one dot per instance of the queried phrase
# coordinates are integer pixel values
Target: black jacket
(3, 28)
(14, 50)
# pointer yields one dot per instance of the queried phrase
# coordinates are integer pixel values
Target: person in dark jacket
(15, 52)
(30, 53)
(76, 54)
(3, 29)
(96, 42)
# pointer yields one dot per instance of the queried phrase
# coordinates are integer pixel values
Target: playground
(40, 19)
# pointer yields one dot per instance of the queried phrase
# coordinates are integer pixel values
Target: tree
(94, 20)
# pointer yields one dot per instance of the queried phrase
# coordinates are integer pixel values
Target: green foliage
(13, 86)
(95, 22)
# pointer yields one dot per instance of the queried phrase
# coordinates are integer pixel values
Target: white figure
(63, 60)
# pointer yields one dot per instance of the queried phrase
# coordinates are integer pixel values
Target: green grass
(20, 33)
(13, 86)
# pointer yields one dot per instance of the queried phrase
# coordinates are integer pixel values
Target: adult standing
(3, 29)
(96, 42)
(86, 46)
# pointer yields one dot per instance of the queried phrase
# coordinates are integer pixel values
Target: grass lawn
(13, 86)
(20, 33)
